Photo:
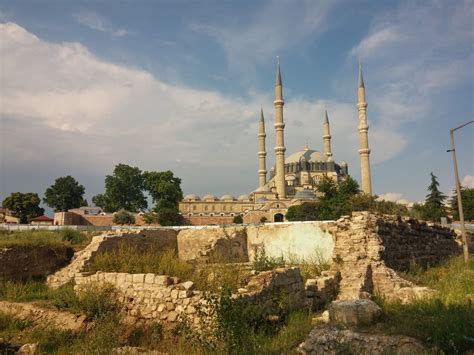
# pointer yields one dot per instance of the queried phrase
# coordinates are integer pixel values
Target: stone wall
(165, 299)
(219, 244)
(21, 263)
(369, 249)
(148, 296)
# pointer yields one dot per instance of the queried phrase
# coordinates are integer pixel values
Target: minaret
(262, 166)
(327, 138)
(280, 143)
(364, 150)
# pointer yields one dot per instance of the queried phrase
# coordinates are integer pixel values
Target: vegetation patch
(445, 321)
(34, 238)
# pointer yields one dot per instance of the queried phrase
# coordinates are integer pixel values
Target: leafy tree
(307, 211)
(150, 218)
(169, 217)
(433, 208)
(238, 219)
(467, 198)
(123, 217)
(24, 205)
(164, 188)
(123, 190)
(64, 194)
(165, 191)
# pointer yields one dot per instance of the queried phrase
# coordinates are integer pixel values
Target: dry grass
(33, 238)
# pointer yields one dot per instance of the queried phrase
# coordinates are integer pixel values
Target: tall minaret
(364, 150)
(280, 142)
(262, 166)
(327, 138)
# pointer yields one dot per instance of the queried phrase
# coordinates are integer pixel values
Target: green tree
(467, 198)
(24, 205)
(238, 219)
(64, 194)
(123, 217)
(434, 209)
(305, 212)
(165, 191)
(123, 190)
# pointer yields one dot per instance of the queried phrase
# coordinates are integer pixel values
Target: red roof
(42, 219)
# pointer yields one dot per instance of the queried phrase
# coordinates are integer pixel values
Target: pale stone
(174, 294)
(183, 294)
(188, 285)
(172, 316)
(354, 312)
(162, 280)
(149, 278)
(138, 278)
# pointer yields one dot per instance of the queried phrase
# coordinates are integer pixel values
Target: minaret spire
(262, 154)
(327, 137)
(280, 141)
(364, 150)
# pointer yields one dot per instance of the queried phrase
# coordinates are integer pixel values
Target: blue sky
(178, 85)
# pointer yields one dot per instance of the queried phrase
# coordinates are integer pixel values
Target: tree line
(341, 199)
(125, 190)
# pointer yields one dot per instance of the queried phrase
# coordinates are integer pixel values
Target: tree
(305, 212)
(64, 194)
(238, 219)
(123, 217)
(433, 208)
(123, 190)
(467, 198)
(165, 191)
(24, 205)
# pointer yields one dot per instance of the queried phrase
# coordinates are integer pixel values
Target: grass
(445, 321)
(34, 238)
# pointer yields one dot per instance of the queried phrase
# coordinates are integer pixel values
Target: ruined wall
(164, 299)
(303, 239)
(148, 296)
(208, 220)
(21, 263)
(227, 244)
(369, 249)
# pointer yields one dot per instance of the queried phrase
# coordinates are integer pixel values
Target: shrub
(263, 219)
(97, 301)
(311, 266)
(238, 219)
(123, 217)
(262, 262)
(74, 237)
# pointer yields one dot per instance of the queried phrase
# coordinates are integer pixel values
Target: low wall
(21, 263)
(164, 299)
(148, 296)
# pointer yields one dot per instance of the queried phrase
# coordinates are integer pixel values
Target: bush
(123, 217)
(310, 267)
(74, 237)
(238, 219)
(35, 238)
(262, 262)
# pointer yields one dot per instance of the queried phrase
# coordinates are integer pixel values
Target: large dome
(311, 156)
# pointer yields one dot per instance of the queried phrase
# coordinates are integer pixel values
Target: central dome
(311, 156)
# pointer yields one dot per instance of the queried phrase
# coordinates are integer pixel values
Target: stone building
(293, 179)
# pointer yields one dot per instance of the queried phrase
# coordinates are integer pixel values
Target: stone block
(172, 316)
(162, 280)
(174, 294)
(188, 285)
(354, 312)
(149, 278)
(183, 294)
(138, 278)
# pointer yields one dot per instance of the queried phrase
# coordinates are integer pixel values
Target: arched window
(278, 217)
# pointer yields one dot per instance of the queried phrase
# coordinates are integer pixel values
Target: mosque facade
(292, 181)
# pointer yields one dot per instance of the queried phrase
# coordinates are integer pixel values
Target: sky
(178, 85)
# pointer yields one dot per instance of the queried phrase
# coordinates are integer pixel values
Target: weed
(35, 238)
(263, 262)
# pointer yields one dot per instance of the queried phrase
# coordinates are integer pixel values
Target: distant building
(88, 216)
(42, 221)
(292, 181)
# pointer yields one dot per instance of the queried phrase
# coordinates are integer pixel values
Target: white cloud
(89, 114)
(96, 22)
(468, 181)
(395, 197)
(278, 25)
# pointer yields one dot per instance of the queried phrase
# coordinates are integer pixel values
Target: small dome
(191, 197)
(209, 198)
(244, 198)
(305, 195)
(290, 178)
(227, 198)
(263, 189)
(262, 200)
(309, 155)
(343, 163)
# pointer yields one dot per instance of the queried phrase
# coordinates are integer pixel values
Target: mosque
(292, 181)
